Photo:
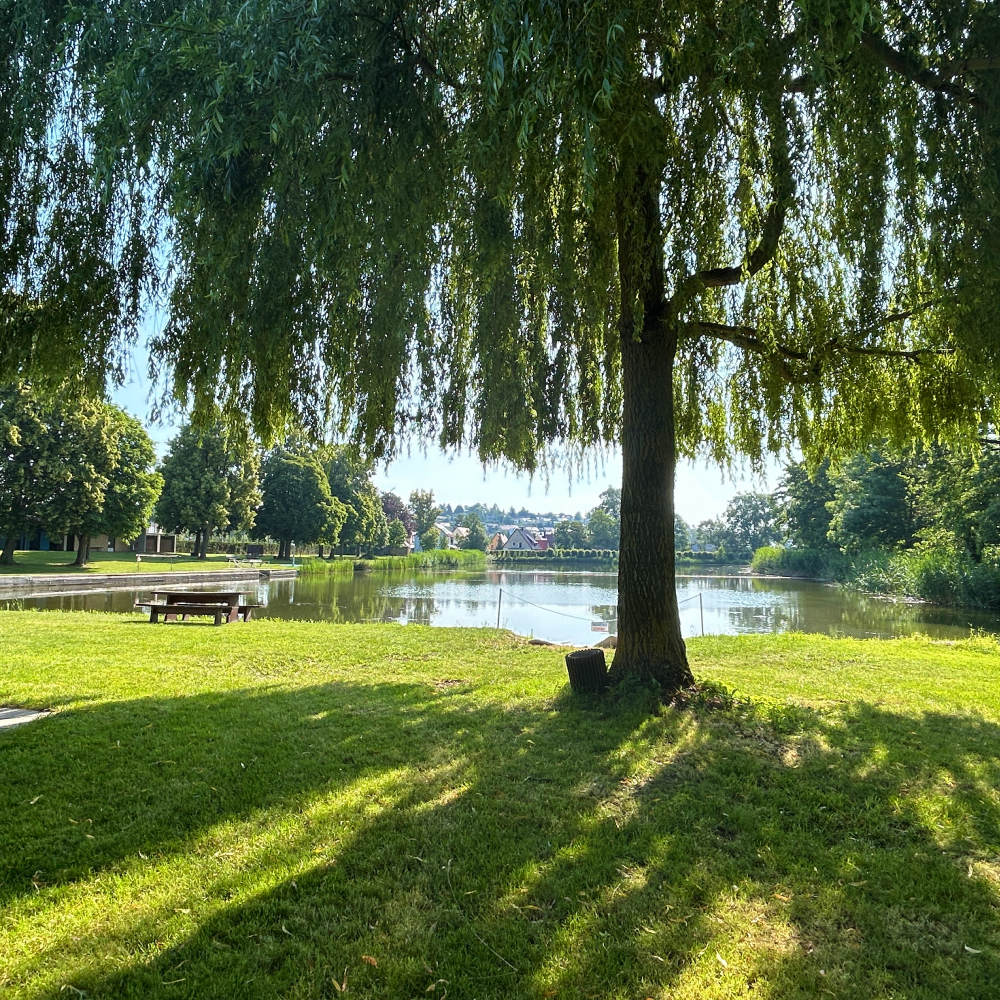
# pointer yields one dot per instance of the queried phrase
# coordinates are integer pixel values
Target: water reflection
(575, 607)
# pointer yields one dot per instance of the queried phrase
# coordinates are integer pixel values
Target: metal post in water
(499, 602)
(701, 611)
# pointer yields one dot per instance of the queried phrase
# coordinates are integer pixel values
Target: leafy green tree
(676, 227)
(751, 521)
(425, 511)
(682, 534)
(604, 529)
(131, 496)
(31, 461)
(611, 503)
(109, 485)
(476, 538)
(430, 538)
(397, 534)
(805, 498)
(350, 481)
(958, 494)
(571, 535)
(73, 464)
(298, 505)
(209, 484)
(714, 532)
(872, 507)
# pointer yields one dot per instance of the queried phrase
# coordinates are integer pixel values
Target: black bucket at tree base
(588, 673)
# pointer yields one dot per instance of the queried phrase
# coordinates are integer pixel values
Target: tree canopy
(210, 483)
(682, 228)
(298, 505)
(72, 464)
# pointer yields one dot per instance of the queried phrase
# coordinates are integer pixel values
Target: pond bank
(37, 585)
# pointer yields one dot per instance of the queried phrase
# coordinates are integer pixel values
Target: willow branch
(774, 222)
(748, 339)
(977, 64)
(879, 49)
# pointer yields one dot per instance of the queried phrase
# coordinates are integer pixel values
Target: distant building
(521, 540)
(497, 542)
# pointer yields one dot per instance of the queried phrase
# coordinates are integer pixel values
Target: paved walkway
(10, 717)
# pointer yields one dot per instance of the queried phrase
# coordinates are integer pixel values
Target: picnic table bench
(171, 556)
(248, 561)
(223, 607)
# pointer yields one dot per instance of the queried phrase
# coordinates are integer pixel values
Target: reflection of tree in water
(604, 612)
(362, 597)
(765, 618)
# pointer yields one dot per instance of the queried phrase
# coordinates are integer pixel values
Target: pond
(576, 607)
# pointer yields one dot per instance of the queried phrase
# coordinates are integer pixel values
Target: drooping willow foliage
(405, 217)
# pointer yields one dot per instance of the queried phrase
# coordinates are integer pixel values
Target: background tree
(31, 462)
(571, 535)
(430, 538)
(397, 534)
(682, 534)
(751, 520)
(476, 538)
(350, 481)
(298, 505)
(395, 509)
(604, 529)
(108, 482)
(679, 227)
(209, 484)
(131, 496)
(957, 495)
(425, 511)
(714, 532)
(804, 497)
(871, 506)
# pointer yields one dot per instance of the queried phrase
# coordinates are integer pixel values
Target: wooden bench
(223, 607)
(223, 613)
(220, 612)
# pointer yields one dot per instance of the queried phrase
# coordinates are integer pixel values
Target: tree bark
(650, 645)
(10, 540)
(205, 532)
(82, 551)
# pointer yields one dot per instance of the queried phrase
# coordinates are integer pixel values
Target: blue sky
(701, 491)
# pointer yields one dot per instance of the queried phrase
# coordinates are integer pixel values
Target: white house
(520, 540)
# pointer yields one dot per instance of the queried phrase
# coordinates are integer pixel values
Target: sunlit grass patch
(281, 809)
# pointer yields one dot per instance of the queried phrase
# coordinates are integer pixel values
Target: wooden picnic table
(224, 606)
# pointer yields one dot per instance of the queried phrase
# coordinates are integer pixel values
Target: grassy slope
(250, 811)
(109, 562)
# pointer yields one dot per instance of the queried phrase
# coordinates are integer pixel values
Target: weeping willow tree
(703, 228)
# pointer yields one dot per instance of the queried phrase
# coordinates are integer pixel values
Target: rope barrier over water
(579, 618)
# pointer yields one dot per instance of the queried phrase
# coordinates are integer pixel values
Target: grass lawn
(110, 562)
(286, 809)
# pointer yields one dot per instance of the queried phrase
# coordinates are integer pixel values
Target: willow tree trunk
(650, 645)
(7, 558)
(205, 532)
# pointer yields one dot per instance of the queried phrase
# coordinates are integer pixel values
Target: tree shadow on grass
(496, 852)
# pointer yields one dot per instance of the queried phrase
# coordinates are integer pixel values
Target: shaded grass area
(264, 811)
(110, 562)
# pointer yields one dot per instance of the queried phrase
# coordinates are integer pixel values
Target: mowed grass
(289, 809)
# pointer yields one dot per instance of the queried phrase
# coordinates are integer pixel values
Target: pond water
(576, 607)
